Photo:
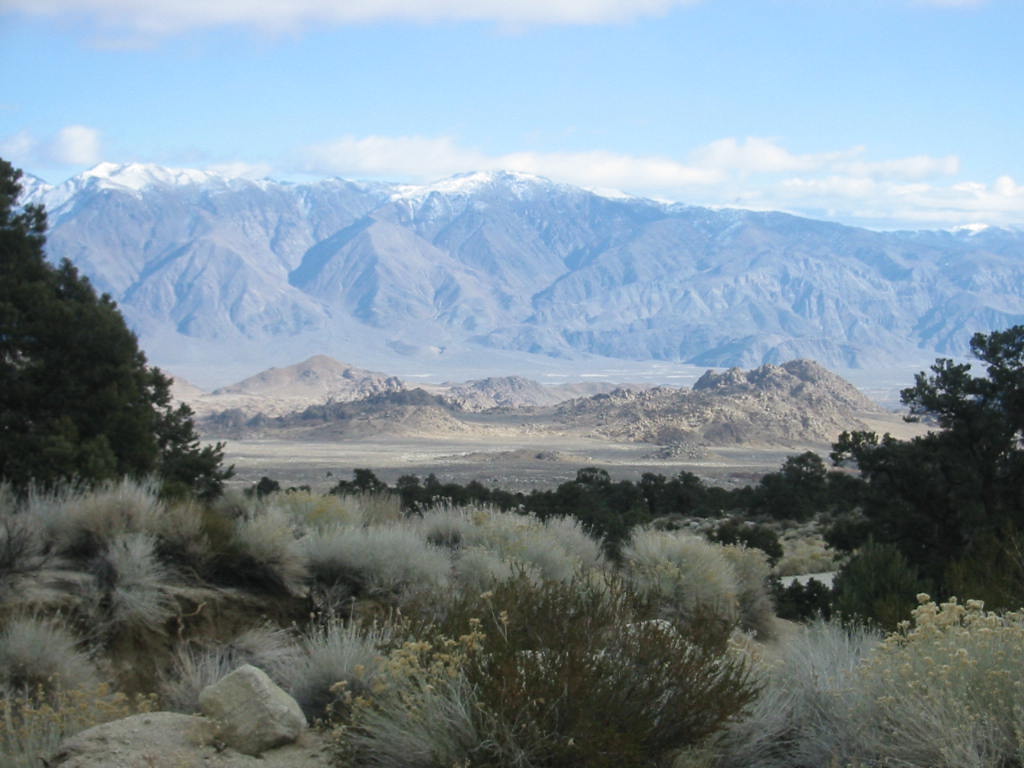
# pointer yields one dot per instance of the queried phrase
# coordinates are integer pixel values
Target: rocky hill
(794, 404)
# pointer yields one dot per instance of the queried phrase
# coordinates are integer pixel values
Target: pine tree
(77, 400)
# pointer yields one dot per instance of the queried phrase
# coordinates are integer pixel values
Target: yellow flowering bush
(33, 724)
(946, 690)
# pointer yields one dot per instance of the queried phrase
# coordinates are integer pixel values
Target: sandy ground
(496, 462)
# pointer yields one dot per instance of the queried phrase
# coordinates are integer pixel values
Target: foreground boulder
(254, 714)
(173, 740)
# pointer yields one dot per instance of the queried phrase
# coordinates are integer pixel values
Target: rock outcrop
(253, 712)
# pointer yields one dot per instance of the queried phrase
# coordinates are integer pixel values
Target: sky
(879, 113)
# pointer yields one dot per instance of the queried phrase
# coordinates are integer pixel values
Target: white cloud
(240, 170)
(425, 159)
(71, 145)
(76, 145)
(844, 184)
(908, 168)
(19, 148)
(169, 16)
(758, 155)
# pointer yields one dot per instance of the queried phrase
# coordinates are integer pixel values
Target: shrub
(749, 534)
(312, 510)
(564, 674)
(337, 653)
(130, 587)
(194, 667)
(683, 572)
(80, 523)
(380, 561)
(263, 552)
(876, 585)
(422, 713)
(803, 717)
(944, 690)
(32, 725)
(476, 569)
(804, 552)
(21, 540)
(802, 601)
(38, 652)
(756, 611)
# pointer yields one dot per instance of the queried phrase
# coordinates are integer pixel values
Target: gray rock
(253, 712)
(173, 740)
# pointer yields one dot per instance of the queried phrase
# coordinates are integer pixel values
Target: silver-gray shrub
(79, 522)
(807, 713)
(195, 666)
(379, 561)
(684, 573)
(37, 651)
(264, 541)
(130, 587)
(336, 653)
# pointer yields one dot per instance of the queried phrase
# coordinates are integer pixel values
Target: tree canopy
(949, 494)
(78, 401)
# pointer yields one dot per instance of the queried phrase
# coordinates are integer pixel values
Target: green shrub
(803, 601)
(876, 585)
(749, 534)
(563, 674)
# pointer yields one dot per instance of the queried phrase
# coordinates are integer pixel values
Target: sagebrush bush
(564, 674)
(754, 598)
(804, 552)
(264, 552)
(373, 507)
(21, 541)
(945, 690)
(79, 522)
(476, 569)
(33, 724)
(379, 561)
(804, 716)
(683, 572)
(130, 587)
(335, 653)
(309, 510)
(422, 711)
(195, 666)
(557, 548)
(36, 651)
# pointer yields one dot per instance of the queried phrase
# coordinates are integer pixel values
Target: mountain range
(503, 268)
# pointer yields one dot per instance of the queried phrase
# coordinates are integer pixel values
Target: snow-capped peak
(137, 176)
(972, 229)
(463, 184)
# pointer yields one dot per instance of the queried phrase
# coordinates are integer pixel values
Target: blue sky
(883, 113)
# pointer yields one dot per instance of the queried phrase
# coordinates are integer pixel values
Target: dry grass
(33, 724)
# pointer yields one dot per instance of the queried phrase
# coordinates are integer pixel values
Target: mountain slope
(485, 263)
